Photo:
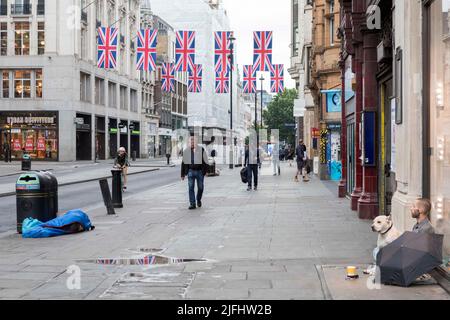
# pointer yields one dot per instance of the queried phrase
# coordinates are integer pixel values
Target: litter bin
(34, 198)
(53, 188)
(26, 162)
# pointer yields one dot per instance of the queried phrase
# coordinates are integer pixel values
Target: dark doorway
(113, 130)
(83, 138)
(123, 128)
(351, 161)
(100, 138)
(134, 139)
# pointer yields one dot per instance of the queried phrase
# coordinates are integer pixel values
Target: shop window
(3, 39)
(41, 38)
(22, 38)
(5, 84)
(22, 84)
(38, 83)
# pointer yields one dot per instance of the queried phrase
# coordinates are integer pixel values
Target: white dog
(387, 233)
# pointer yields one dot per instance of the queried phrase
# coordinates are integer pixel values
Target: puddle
(142, 261)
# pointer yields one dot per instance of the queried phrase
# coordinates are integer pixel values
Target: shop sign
(315, 132)
(41, 144)
(79, 120)
(17, 145)
(29, 145)
(30, 120)
(113, 130)
(135, 132)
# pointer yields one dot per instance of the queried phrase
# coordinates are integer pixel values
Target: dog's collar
(388, 229)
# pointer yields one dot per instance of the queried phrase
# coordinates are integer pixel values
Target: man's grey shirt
(423, 227)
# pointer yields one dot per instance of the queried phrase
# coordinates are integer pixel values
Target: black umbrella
(408, 257)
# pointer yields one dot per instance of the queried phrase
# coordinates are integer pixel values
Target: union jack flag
(107, 48)
(262, 54)
(168, 77)
(222, 82)
(277, 78)
(249, 79)
(185, 51)
(222, 50)
(146, 49)
(147, 260)
(195, 79)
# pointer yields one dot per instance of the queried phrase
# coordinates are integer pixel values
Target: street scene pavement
(287, 240)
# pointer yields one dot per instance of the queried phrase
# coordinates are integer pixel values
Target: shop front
(436, 177)
(32, 132)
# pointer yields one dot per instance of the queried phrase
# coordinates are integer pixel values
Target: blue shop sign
(334, 101)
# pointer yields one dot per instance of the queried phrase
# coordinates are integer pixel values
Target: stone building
(55, 103)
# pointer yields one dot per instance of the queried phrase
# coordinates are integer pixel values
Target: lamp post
(231, 144)
(262, 81)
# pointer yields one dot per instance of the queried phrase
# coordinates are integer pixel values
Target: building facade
(325, 88)
(55, 103)
(300, 70)
(207, 109)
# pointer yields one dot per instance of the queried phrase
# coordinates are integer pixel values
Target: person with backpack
(300, 153)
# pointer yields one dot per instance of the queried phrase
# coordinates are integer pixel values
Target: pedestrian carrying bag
(244, 176)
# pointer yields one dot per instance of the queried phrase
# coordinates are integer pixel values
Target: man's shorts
(300, 165)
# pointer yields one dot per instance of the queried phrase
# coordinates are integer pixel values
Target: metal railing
(21, 9)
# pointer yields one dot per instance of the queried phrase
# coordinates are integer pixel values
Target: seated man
(420, 211)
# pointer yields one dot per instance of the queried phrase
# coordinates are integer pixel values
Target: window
(5, 84)
(99, 91)
(38, 84)
(308, 65)
(41, 7)
(22, 38)
(295, 28)
(332, 30)
(133, 100)
(3, 7)
(3, 39)
(398, 86)
(85, 87)
(41, 37)
(83, 43)
(123, 98)
(22, 84)
(112, 95)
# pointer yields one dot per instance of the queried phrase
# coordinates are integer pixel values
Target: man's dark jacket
(197, 160)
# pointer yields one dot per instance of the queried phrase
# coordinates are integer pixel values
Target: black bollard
(117, 188)
(168, 158)
(133, 156)
(106, 196)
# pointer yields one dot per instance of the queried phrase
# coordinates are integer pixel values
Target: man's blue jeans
(194, 175)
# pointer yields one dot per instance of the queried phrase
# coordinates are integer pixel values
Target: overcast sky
(247, 16)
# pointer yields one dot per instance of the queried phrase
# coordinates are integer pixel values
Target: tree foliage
(281, 112)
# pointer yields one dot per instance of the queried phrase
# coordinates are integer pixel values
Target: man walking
(252, 162)
(195, 166)
(276, 159)
(300, 154)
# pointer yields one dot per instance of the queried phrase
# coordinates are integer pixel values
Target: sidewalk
(276, 243)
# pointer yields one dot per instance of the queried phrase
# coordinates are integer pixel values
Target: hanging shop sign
(334, 103)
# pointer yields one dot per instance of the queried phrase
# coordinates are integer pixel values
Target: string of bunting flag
(147, 40)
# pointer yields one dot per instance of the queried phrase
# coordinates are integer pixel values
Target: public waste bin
(35, 198)
(26, 162)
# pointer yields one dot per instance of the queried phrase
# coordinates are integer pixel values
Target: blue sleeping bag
(72, 222)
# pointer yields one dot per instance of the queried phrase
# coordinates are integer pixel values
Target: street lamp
(231, 39)
(262, 81)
